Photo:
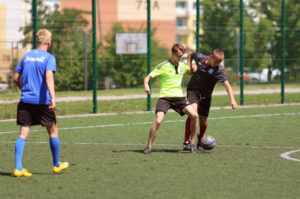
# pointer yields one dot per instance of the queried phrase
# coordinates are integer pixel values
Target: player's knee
(194, 117)
(158, 123)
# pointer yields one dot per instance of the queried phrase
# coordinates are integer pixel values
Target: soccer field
(257, 156)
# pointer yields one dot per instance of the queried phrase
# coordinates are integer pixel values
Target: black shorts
(202, 102)
(176, 103)
(35, 114)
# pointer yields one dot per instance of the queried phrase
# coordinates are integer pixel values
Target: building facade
(14, 15)
(133, 14)
(130, 13)
(186, 22)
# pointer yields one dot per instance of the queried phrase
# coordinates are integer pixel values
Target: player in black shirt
(207, 72)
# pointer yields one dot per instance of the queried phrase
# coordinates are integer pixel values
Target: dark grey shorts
(35, 114)
(176, 103)
(202, 102)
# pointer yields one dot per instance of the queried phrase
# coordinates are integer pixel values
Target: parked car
(260, 76)
(3, 87)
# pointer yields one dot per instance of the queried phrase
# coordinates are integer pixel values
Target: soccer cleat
(147, 150)
(62, 166)
(23, 172)
(186, 146)
(199, 143)
(192, 147)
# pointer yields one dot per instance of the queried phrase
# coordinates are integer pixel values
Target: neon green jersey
(170, 82)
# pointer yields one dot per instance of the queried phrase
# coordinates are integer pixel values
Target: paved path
(138, 96)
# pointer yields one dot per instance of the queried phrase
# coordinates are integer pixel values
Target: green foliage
(68, 29)
(128, 70)
(262, 25)
(220, 23)
(269, 37)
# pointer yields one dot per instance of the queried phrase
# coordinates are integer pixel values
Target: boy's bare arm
(230, 94)
(146, 84)
(16, 80)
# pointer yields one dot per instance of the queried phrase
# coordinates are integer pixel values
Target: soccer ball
(208, 142)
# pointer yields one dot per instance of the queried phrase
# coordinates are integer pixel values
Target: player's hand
(147, 89)
(234, 105)
(52, 105)
(187, 49)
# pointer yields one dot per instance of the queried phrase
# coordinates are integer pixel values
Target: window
(180, 22)
(178, 40)
(180, 5)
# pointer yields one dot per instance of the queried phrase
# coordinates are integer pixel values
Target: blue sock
(19, 148)
(54, 145)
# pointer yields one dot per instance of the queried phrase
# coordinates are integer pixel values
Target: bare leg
(52, 130)
(154, 129)
(24, 132)
(188, 124)
(194, 118)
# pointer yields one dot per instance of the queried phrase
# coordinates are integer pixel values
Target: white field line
(147, 112)
(165, 144)
(287, 156)
(155, 95)
(167, 121)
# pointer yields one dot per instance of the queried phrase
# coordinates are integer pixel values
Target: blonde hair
(43, 36)
(218, 55)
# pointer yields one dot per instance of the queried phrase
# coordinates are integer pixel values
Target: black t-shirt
(206, 77)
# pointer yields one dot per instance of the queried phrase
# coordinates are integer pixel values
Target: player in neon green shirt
(170, 94)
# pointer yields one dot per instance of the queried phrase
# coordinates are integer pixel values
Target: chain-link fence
(70, 22)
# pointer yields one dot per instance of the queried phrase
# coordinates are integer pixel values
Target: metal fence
(260, 38)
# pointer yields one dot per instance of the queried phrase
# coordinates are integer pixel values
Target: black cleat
(147, 150)
(199, 143)
(186, 146)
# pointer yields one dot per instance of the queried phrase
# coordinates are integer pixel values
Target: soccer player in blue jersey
(34, 76)
(200, 88)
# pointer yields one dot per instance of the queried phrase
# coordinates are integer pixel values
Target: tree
(67, 44)
(128, 70)
(262, 25)
(270, 14)
(221, 27)
(67, 29)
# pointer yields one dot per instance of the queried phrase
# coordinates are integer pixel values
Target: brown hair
(176, 47)
(43, 36)
(218, 55)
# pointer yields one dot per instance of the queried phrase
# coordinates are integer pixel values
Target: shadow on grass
(199, 151)
(153, 151)
(11, 174)
(6, 174)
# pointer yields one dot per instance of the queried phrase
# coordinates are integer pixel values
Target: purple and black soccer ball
(208, 142)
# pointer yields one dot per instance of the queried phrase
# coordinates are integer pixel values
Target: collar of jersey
(206, 58)
(173, 64)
